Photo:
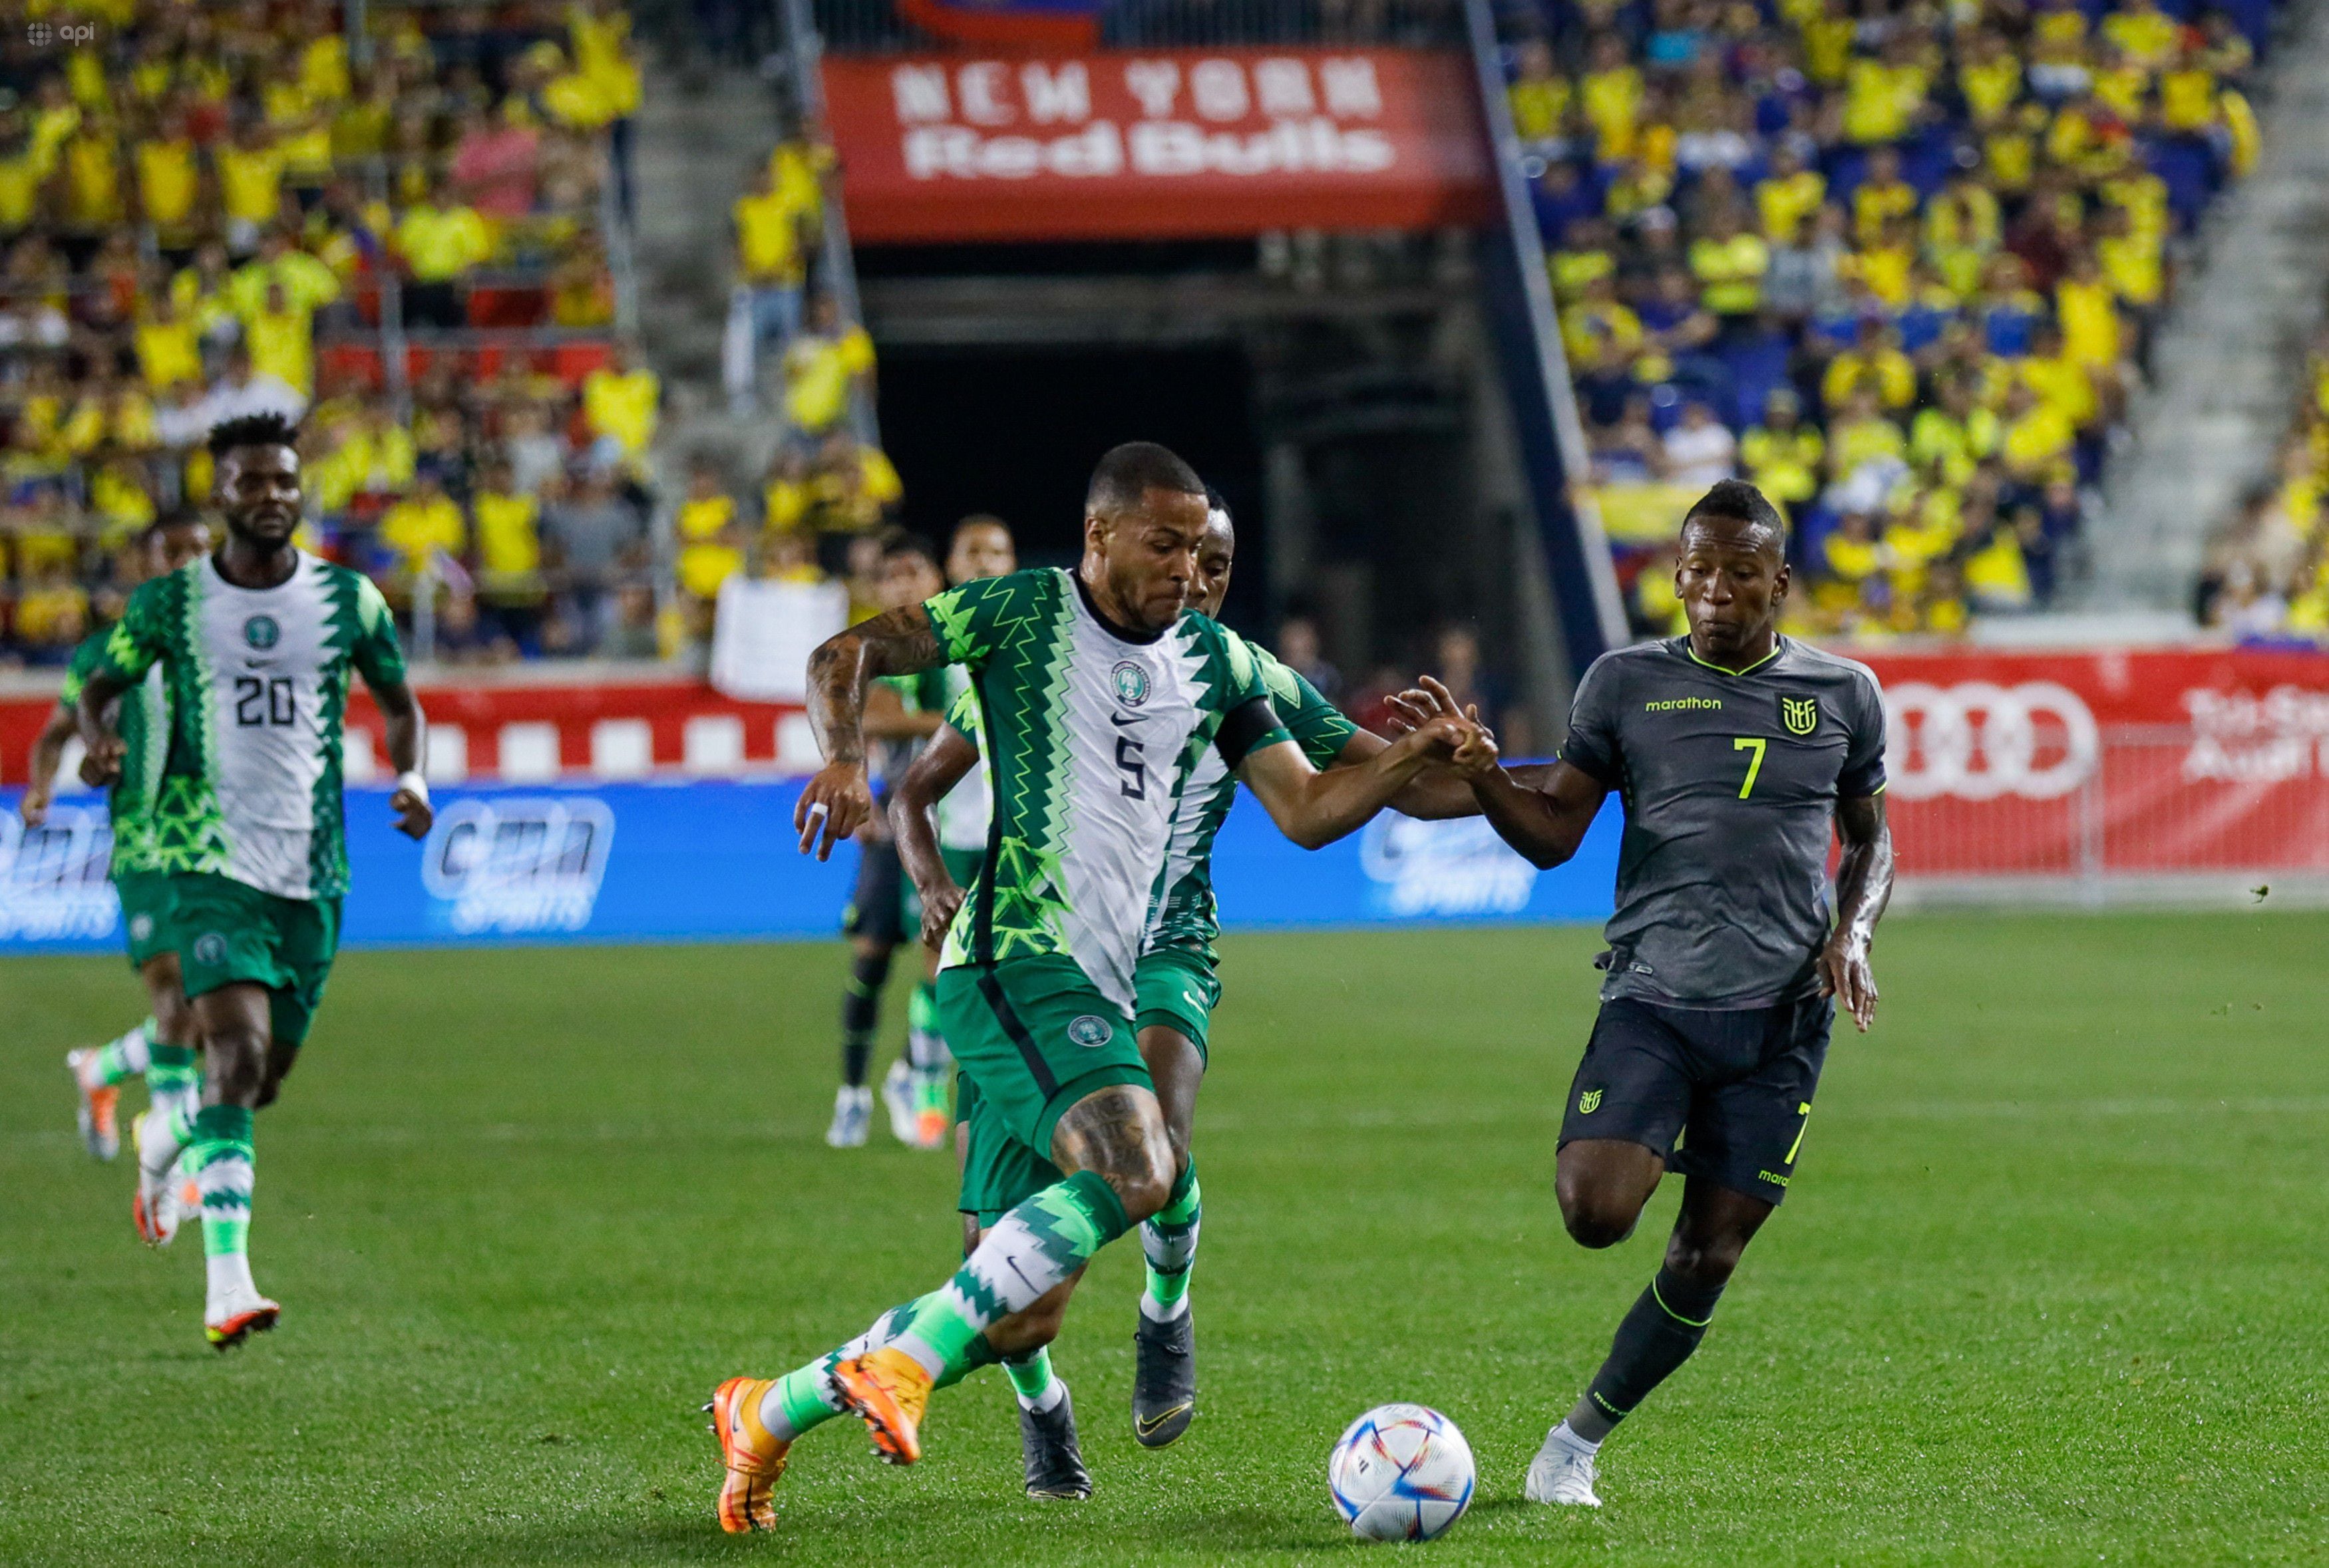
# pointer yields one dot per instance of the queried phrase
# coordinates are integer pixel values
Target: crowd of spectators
(1896, 261)
(2267, 576)
(207, 209)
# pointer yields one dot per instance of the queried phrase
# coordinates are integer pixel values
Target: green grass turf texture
(2049, 1289)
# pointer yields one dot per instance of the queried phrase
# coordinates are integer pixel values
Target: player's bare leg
(245, 1066)
(1663, 1327)
(174, 1087)
(1164, 1345)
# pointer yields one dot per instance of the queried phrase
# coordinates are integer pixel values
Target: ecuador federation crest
(1588, 1102)
(1799, 713)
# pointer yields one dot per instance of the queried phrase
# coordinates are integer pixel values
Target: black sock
(1655, 1337)
(861, 1014)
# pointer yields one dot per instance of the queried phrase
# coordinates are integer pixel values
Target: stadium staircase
(2226, 365)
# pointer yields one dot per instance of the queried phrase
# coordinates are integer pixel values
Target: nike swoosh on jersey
(1120, 718)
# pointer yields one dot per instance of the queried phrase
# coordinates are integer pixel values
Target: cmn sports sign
(1156, 144)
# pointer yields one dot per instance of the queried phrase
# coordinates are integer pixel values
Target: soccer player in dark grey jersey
(1732, 749)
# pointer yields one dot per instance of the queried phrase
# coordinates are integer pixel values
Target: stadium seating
(1905, 259)
(410, 237)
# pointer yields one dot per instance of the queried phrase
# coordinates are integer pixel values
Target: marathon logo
(1683, 705)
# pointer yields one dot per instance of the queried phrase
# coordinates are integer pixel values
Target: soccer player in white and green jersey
(1175, 987)
(254, 644)
(1092, 686)
(162, 1049)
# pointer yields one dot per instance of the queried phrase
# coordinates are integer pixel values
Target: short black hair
(1216, 502)
(1131, 471)
(978, 520)
(267, 429)
(174, 517)
(1740, 501)
(900, 541)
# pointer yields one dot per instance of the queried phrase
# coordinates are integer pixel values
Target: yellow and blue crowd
(2266, 577)
(1896, 261)
(203, 208)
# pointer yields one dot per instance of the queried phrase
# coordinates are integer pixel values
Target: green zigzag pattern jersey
(258, 684)
(964, 812)
(1084, 735)
(1185, 915)
(142, 718)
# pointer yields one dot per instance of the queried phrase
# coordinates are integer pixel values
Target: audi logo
(1979, 741)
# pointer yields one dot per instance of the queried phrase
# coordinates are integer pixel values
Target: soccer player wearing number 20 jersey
(1734, 750)
(254, 644)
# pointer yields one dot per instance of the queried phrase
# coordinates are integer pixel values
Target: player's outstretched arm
(403, 727)
(1314, 809)
(1863, 886)
(48, 752)
(838, 800)
(934, 773)
(1545, 820)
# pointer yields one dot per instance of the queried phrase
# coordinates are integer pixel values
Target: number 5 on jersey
(1755, 744)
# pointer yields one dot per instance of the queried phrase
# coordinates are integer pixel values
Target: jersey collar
(1107, 624)
(1778, 646)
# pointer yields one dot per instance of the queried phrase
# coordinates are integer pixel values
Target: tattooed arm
(838, 799)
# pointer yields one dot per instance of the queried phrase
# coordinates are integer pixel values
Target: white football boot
(1562, 1472)
(853, 1113)
(898, 1095)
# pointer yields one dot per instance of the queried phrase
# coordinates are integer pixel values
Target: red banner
(2108, 763)
(1156, 144)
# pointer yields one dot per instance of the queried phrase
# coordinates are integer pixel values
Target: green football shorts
(1179, 990)
(1036, 1035)
(231, 934)
(999, 1173)
(148, 914)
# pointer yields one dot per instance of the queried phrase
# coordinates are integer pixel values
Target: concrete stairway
(700, 135)
(2226, 362)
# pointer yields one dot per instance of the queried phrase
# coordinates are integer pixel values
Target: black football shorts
(1723, 1095)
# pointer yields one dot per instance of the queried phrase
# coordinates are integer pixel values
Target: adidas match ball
(1402, 1472)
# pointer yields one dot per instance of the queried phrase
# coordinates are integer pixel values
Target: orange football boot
(891, 1391)
(253, 1315)
(753, 1458)
(99, 1113)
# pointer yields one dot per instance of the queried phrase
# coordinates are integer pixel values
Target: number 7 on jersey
(1755, 744)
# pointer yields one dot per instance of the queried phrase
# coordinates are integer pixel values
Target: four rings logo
(1978, 741)
(519, 865)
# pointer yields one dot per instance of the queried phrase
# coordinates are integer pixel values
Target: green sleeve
(969, 620)
(962, 717)
(379, 657)
(1316, 725)
(84, 660)
(137, 639)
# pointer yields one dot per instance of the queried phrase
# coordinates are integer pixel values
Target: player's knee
(1143, 1179)
(1597, 1225)
(1704, 1260)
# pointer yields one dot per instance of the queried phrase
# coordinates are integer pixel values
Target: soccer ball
(1402, 1472)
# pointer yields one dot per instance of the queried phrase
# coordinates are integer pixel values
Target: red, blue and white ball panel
(1402, 1472)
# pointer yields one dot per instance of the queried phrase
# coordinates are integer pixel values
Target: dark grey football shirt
(1730, 784)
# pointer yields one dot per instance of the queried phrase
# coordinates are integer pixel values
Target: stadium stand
(2266, 577)
(413, 236)
(1899, 264)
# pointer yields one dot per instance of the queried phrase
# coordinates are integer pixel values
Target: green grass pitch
(2049, 1288)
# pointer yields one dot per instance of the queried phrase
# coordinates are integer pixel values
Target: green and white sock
(1031, 1380)
(1030, 1251)
(174, 1079)
(1168, 1238)
(221, 1160)
(126, 1057)
(806, 1398)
